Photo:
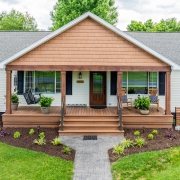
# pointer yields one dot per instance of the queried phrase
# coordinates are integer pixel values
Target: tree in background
(16, 20)
(168, 25)
(67, 10)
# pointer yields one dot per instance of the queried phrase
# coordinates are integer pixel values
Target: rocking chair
(30, 98)
(125, 99)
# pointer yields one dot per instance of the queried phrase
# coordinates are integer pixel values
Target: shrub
(42, 135)
(119, 149)
(142, 103)
(40, 141)
(140, 142)
(66, 150)
(17, 134)
(150, 136)
(14, 97)
(127, 143)
(155, 131)
(31, 131)
(45, 101)
(170, 135)
(136, 133)
(3, 132)
(56, 141)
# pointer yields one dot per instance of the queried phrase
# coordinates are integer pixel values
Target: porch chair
(153, 96)
(30, 98)
(125, 100)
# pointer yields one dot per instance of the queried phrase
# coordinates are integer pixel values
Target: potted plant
(143, 104)
(45, 103)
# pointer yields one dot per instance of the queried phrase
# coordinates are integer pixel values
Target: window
(152, 79)
(137, 82)
(46, 82)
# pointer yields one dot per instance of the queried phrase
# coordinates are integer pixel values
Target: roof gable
(102, 22)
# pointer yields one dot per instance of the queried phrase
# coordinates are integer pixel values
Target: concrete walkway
(91, 160)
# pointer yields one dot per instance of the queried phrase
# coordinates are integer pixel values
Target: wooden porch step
(91, 132)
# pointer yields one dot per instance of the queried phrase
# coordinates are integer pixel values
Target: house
(87, 62)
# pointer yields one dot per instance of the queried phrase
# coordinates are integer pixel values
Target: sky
(138, 10)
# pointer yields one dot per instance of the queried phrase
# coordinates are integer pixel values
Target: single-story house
(86, 63)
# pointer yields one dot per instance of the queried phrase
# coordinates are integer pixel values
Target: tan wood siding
(88, 43)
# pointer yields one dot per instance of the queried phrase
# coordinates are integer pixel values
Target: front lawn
(17, 163)
(156, 165)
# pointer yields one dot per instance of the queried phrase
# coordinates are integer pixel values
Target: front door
(98, 88)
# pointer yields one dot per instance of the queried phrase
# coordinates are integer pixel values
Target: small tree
(67, 10)
(16, 20)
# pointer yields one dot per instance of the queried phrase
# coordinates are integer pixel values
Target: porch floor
(85, 111)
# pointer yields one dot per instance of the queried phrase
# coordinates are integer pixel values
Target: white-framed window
(46, 82)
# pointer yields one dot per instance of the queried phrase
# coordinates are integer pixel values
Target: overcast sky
(139, 10)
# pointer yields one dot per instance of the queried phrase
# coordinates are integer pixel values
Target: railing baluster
(119, 112)
(62, 115)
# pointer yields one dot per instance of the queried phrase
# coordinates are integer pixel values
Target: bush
(40, 141)
(150, 136)
(143, 103)
(42, 135)
(127, 143)
(140, 142)
(66, 150)
(17, 134)
(119, 149)
(136, 133)
(45, 101)
(31, 131)
(56, 141)
(14, 98)
(155, 131)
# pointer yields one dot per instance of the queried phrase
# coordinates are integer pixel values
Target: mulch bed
(159, 142)
(26, 141)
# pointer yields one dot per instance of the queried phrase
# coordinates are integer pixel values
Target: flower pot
(14, 106)
(45, 110)
(144, 112)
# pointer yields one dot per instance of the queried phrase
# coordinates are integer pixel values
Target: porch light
(80, 75)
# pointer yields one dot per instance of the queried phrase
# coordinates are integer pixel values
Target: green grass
(156, 165)
(18, 163)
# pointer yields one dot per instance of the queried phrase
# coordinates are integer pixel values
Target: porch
(86, 120)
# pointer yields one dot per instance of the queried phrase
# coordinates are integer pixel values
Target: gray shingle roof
(166, 44)
(12, 42)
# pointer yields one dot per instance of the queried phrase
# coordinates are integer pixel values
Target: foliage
(31, 131)
(42, 135)
(167, 25)
(140, 142)
(150, 136)
(156, 165)
(170, 135)
(17, 134)
(20, 164)
(155, 131)
(66, 11)
(14, 97)
(16, 20)
(45, 101)
(56, 141)
(40, 141)
(127, 143)
(3, 132)
(136, 133)
(66, 150)
(143, 103)
(119, 149)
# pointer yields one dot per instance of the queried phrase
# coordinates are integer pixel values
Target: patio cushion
(124, 98)
(153, 98)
